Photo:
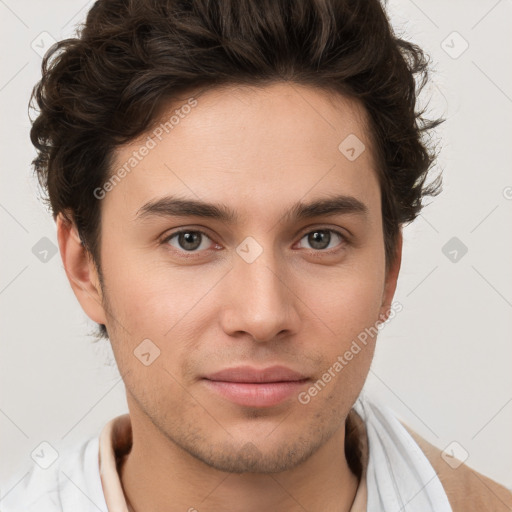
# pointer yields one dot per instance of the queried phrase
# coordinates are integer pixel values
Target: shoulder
(72, 482)
(467, 490)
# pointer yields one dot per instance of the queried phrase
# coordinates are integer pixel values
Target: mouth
(251, 387)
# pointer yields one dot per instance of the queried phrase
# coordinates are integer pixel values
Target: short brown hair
(107, 86)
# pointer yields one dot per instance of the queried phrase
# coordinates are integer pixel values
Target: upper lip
(250, 374)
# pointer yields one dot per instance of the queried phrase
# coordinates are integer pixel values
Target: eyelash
(192, 254)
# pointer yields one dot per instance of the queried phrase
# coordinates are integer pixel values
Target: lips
(249, 374)
(252, 387)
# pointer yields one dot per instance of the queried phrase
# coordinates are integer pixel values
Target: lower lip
(265, 394)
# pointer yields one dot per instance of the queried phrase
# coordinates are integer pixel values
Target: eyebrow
(172, 206)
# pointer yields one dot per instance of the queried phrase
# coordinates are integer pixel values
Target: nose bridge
(261, 301)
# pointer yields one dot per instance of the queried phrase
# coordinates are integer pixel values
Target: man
(229, 181)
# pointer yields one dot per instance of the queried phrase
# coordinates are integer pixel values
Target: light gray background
(443, 364)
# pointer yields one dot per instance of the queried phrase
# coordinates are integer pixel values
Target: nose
(261, 302)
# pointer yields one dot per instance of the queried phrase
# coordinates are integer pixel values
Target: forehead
(256, 148)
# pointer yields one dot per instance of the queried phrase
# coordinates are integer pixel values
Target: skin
(257, 150)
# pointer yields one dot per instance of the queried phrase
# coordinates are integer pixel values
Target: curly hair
(109, 85)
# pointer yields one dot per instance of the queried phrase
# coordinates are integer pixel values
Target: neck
(160, 476)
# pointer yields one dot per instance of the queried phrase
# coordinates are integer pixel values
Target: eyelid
(343, 233)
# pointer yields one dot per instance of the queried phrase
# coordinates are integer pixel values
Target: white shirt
(398, 476)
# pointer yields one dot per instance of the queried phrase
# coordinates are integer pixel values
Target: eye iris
(316, 237)
(189, 240)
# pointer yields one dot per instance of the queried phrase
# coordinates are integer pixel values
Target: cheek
(349, 352)
(346, 299)
(149, 295)
(351, 311)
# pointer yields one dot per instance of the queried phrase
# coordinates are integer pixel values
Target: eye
(193, 241)
(188, 240)
(320, 239)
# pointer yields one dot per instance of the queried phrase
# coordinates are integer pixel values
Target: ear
(80, 269)
(391, 279)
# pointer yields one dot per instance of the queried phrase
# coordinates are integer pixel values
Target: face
(188, 293)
